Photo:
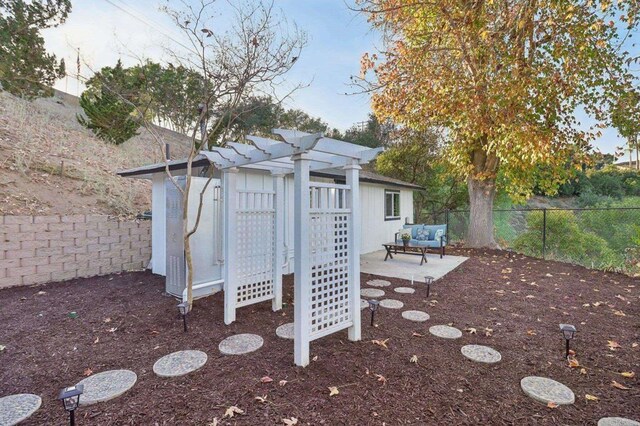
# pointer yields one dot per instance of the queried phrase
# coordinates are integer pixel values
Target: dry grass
(50, 164)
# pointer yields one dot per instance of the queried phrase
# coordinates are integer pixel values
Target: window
(391, 205)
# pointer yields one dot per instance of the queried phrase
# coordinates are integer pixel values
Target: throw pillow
(422, 235)
(439, 233)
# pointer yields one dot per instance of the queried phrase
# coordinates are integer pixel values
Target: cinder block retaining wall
(39, 249)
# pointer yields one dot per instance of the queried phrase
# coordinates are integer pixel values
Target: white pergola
(326, 232)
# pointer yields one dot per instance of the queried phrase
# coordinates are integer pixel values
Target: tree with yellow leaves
(504, 78)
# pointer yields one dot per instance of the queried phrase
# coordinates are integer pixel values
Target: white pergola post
(158, 225)
(229, 202)
(278, 258)
(302, 268)
(352, 172)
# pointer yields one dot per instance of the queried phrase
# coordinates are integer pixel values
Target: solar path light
(184, 310)
(568, 332)
(428, 280)
(373, 307)
(70, 397)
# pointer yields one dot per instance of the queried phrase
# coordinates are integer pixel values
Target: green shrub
(566, 241)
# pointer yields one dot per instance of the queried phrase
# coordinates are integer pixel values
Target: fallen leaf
(381, 378)
(315, 358)
(583, 371)
(591, 397)
(2, 348)
(634, 345)
(531, 333)
(618, 385)
(214, 422)
(417, 334)
(596, 304)
(530, 296)
(231, 411)
(282, 382)
(107, 320)
(414, 359)
(493, 309)
(628, 374)
(613, 345)
(266, 379)
(112, 329)
(382, 343)
(262, 399)
(40, 293)
(573, 363)
(97, 340)
(87, 372)
(471, 330)
(290, 422)
(552, 404)
(619, 313)
(586, 305)
(333, 390)
(488, 331)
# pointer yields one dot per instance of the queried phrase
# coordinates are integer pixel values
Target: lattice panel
(255, 241)
(329, 259)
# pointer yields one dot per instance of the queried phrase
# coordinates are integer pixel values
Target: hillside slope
(50, 164)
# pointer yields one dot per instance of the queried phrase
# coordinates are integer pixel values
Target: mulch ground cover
(512, 305)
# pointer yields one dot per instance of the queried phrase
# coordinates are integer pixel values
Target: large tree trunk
(481, 196)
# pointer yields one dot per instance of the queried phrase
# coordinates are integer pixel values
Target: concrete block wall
(40, 249)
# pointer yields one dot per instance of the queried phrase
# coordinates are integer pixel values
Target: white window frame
(393, 194)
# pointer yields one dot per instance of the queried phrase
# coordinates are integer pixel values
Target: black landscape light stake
(568, 332)
(373, 307)
(70, 398)
(184, 310)
(509, 253)
(428, 280)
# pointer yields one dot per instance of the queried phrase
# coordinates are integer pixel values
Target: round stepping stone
(285, 331)
(617, 421)
(404, 290)
(179, 363)
(240, 344)
(19, 407)
(481, 353)
(445, 331)
(106, 385)
(371, 292)
(364, 304)
(417, 316)
(391, 304)
(379, 283)
(547, 390)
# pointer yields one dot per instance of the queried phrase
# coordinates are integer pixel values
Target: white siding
(375, 229)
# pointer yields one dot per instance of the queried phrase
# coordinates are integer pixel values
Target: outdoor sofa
(432, 236)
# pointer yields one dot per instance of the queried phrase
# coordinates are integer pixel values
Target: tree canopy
(504, 78)
(26, 69)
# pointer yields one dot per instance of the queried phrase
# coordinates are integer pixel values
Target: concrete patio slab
(408, 267)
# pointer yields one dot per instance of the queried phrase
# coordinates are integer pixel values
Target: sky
(338, 37)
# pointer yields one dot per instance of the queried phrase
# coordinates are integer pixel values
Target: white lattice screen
(329, 258)
(255, 240)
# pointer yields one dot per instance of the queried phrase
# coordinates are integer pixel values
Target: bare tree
(250, 58)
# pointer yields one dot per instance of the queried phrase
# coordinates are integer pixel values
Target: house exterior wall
(40, 249)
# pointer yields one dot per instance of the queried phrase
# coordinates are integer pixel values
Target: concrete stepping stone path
(379, 283)
(481, 353)
(417, 316)
(547, 390)
(391, 304)
(106, 385)
(404, 290)
(445, 331)
(240, 344)
(364, 304)
(179, 363)
(285, 331)
(617, 421)
(371, 292)
(19, 407)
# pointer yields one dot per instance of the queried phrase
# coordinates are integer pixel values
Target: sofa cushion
(414, 229)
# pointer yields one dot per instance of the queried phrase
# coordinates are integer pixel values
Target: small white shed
(386, 204)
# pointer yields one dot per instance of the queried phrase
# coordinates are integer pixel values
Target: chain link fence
(598, 238)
